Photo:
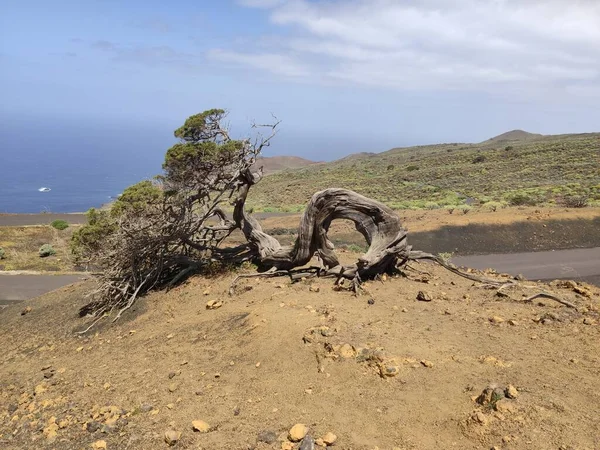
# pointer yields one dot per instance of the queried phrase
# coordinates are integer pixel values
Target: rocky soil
(426, 361)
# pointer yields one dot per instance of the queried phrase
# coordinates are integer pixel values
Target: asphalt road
(578, 264)
(581, 264)
(22, 287)
(19, 220)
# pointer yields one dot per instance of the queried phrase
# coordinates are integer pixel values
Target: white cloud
(439, 44)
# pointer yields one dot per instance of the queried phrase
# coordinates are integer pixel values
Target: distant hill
(272, 164)
(516, 135)
(355, 156)
(531, 169)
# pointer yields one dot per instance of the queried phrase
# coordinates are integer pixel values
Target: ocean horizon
(85, 165)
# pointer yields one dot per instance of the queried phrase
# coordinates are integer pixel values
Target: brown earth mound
(381, 370)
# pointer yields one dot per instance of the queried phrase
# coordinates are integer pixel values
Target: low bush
(464, 209)
(60, 224)
(450, 209)
(412, 168)
(46, 250)
(478, 159)
(432, 205)
(575, 201)
(2, 253)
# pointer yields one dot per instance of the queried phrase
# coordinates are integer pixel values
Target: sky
(343, 76)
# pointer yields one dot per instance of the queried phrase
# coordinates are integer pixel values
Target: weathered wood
(380, 226)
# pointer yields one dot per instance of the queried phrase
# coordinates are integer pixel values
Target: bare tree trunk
(379, 225)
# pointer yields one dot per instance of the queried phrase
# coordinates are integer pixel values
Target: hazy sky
(344, 76)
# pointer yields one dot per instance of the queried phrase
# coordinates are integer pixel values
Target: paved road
(579, 264)
(18, 220)
(22, 287)
(583, 264)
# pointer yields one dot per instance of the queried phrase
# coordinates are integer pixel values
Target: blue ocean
(84, 163)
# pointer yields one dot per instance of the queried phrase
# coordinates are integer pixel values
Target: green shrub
(478, 159)
(412, 168)
(493, 206)
(450, 208)
(2, 253)
(60, 224)
(88, 239)
(509, 148)
(432, 205)
(523, 199)
(464, 209)
(46, 250)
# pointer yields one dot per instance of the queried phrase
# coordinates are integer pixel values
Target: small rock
(213, 304)
(480, 418)
(170, 336)
(99, 445)
(389, 369)
(314, 288)
(404, 310)
(512, 322)
(504, 406)
(371, 301)
(27, 310)
(173, 387)
(589, 321)
(200, 426)
(496, 320)
(49, 373)
(308, 443)
(466, 297)
(285, 445)
(511, 391)
(329, 438)
(206, 292)
(92, 426)
(319, 442)
(172, 436)
(426, 363)
(297, 432)
(267, 436)
(171, 375)
(424, 296)
(347, 351)
(146, 407)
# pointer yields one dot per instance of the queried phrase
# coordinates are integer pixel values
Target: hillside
(272, 164)
(543, 170)
(515, 135)
(381, 374)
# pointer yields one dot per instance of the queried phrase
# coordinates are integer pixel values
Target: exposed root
(551, 297)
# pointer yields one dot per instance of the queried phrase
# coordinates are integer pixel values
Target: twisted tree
(159, 232)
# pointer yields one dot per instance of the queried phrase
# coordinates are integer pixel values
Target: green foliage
(46, 250)
(522, 199)
(478, 159)
(494, 206)
(508, 148)
(446, 256)
(432, 205)
(136, 198)
(88, 239)
(2, 253)
(412, 168)
(464, 209)
(200, 127)
(450, 208)
(60, 224)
